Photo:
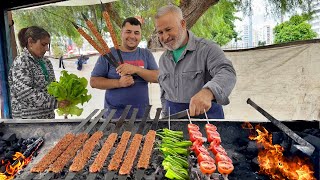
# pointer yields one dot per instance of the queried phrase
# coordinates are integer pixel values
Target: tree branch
(193, 10)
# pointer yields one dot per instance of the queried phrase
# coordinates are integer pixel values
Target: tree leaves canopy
(295, 29)
(217, 23)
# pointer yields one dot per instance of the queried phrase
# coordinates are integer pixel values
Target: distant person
(121, 85)
(81, 60)
(194, 73)
(29, 76)
(61, 64)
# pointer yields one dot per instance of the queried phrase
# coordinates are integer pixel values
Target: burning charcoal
(28, 141)
(252, 150)
(160, 174)
(277, 137)
(10, 149)
(2, 143)
(149, 171)
(9, 154)
(192, 159)
(313, 140)
(16, 147)
(2, 169)
(282, 139)
(23, 148)
(237, 158)
(9, 137)
(242, 142)
(255, 164)
(314, 132)
(20, 141)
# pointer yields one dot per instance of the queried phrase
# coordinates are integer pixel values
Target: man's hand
(200, 102)
(126, 81)
(127, 69)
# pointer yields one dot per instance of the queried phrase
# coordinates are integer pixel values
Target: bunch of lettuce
(71, 88)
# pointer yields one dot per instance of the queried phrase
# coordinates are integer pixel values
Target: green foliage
(79, 42)
(70, 88)
(145, 8)
(278, 8)
(57, 51)
(217, 23)
(261, 43)
(295, 29)
(57, 20)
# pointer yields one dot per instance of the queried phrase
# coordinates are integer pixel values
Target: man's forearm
(104, 83)
(148, 75)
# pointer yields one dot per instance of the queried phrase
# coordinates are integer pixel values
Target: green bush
(57, 51)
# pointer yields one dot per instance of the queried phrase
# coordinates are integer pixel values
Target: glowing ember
(273, 163)
(12, 169)
(246, 125)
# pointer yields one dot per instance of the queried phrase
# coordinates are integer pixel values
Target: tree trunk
(192, 10)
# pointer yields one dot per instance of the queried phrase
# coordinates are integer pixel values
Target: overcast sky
(259, 18)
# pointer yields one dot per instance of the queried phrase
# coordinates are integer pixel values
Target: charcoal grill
(231, 133)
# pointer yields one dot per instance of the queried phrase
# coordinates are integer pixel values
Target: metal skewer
(169, 119)
(189, 116)
(205, 113)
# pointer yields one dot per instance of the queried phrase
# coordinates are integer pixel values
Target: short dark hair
(132, 20)
(35, 32)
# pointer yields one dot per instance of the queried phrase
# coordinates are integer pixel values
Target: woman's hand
(63, 103)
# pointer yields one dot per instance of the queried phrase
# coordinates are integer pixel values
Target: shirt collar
(191, 41)
(26, 52)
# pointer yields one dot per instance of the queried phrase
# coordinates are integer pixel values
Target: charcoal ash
(10, 144)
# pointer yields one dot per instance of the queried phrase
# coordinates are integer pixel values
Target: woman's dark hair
(34, 32)
(132, 20)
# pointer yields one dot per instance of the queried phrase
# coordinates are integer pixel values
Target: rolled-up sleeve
(223, 74)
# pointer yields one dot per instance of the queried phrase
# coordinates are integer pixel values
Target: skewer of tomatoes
(224, 163)
(205, 161)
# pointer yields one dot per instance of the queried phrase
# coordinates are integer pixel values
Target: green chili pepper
(171, 174)
(181, 160)
(183, 143)
(181, 151)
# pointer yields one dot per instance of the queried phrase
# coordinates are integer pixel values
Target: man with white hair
(194, 73)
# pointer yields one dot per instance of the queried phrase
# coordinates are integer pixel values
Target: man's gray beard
(167, 47)
(178, 45)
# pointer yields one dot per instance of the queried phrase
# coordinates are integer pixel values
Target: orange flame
(246, 125)
(11, 170)
(273, 163)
